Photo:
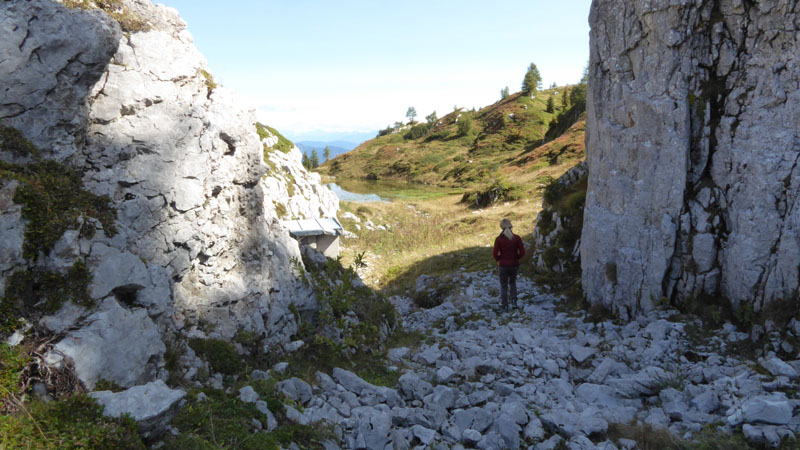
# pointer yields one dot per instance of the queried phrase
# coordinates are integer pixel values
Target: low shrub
(417, 131)
(498, 190)
(12, 141)
(430, 298)
(209, 80)
(349, 319)
(33, 293)
(221, 355)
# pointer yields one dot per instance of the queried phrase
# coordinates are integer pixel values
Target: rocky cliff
(693, 152)
(197, 248)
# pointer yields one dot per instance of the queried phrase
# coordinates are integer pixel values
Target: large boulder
(116, 344)
(151, 405)
(692, 150)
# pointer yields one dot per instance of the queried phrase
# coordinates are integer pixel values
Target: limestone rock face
(693, 149)
(305, 196)
(104, 349)
(52, 56)
(139, 116)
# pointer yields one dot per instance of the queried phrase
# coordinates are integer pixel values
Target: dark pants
(508, 280)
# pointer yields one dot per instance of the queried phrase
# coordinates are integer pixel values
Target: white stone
(66, 317)
(103, 349)
(534, 430)
(113, 269)
(248, 395)
(445, 374)
(425, 435)
(151, 405)
(770, 409)
(580, 353)
(397, 354)
(296, 389)
(778, 367)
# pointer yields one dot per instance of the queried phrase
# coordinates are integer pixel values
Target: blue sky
(358, 65)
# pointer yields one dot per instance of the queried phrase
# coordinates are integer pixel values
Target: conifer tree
(327, 153)
(306, 162)
(314, 159)
(565, 99)
(411, 113)
(465, 125)
(530, 83)
(504, 93)
(551, 107)
(431, 118)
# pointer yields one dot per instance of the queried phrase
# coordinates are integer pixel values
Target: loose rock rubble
(536, 377)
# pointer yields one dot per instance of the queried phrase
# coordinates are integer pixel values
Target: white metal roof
(313, 227)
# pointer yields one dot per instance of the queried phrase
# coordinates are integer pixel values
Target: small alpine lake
(385, 191)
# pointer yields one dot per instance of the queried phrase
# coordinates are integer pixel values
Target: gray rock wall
(196, 251)
(693, 145)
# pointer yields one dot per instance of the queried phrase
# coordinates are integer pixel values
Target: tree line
(312, 162)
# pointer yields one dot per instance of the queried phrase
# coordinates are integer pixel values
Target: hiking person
(508, 250)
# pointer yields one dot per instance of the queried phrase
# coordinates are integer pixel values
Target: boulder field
(538, 378)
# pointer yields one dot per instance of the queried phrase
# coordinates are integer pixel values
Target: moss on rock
(55, 201)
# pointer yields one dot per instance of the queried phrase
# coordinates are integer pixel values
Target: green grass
(128, 20)
(222, 421)
(73, 423)
(13, 360)
(447, 154)
(264, 131)
(506, 142)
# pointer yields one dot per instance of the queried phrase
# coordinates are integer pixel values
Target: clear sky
(358, 65)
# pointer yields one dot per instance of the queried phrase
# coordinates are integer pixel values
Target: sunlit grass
(434, 236)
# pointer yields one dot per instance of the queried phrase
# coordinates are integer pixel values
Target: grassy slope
(506, 142)
(438, 234)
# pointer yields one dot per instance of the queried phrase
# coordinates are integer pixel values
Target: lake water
(386, 191)
(347, 196)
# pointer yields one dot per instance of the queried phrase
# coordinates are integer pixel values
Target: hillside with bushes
(500, 151)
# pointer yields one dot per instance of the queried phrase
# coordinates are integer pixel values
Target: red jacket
(508, 252)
